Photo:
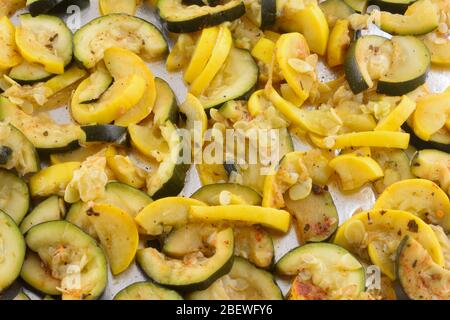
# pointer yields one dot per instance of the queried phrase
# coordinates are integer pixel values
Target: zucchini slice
(106, 133)
(37, 7)
(421, 197)
(194, 273)
(439, 141)
(166, 105)
(254, 284)
(322, 270)
(236, 81)
(117, 194)
(180, 18)
(117, 30)
(78, 155)
(29, 73)
(227, 193)
(13, 251)
(262, 13)
(409, 67)
(99, 81)
(421, 278)
(23, 157)
(250, 242)
(51, 209)
(395, 165)
(335, 10)
(392, 6)
(421, 17)
(38, 275)
(316, 215)
(146, 290)
(67, 252)
(432, 165)
(359, 6)
(45, 134)
(54, 53)
(14, 196)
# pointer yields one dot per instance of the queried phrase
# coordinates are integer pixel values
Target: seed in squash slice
(9, 57)
(118, 235)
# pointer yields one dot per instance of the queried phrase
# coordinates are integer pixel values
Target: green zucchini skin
(392, 7)
(5, 153)
(207, 193)
(268, 13)
(175, 184)
(421, 144)
(400, 88)
(199, 22)
(137, 291)
(166, 105)
(69, 147)
(23, 75)
(106, 133)
(352, 74)
(38, 7)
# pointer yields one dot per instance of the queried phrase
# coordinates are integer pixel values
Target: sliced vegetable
(382, 139)
(37, 7)
(5, 154)
(268, 217)
(9, 56)
(39, 276)
(432, 165)
(124, 169)
(338, 43)
(421, 197)
(235, 81)
(188, 274)
(166, 105)
(67, 252)
(50, 209)
(421, 17)
(14, 196)
(181, 18)
(263, 50)
(128, 32)
(99, 81)
(226, 194)
(395, 119)
(65, 80)
(118, 235)
(13, 251)
(53, 180)
(146, 291)
(316, 215)
(29, 73)
(334, 10)
(256, 284)
(359, 6)
(420, 277)
(440, 52)
(439, 140)
(323, 271)
(355, 171)
(112, 6)
(115, 59)
(7, 8)
(393, 6)
(55, 52)
(376, 234)
(105, 133)
(148, 141)
(163, 214)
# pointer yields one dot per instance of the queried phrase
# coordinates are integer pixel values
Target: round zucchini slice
(195, 272)
(323, 271)
(254, 284)
(146, 291)
(240, 85)
(56, 52)
(14, 196)
(128, 32)
(50, 209)
(37, 7)
(29, 73)
(421, 278)
(227, 193)
(316, 215)
(12, 252)
(181, 18)
(70, 257)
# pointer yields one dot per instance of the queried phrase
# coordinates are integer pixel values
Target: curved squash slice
(382, 139)
(149, 141)
(45, 40)
(115, 102)
(163, 214)
(118, 234)
(272, 218)
(355, 171)
(422, 197)
(113, 6)
(394, 120)
(376, 234)
(218, 56)
(338, 43)
(420, 277)
(202, 53)
(431, 114)
(9, 57)
(440, 53)
(53, 180)
(124, 63)
(193, 109)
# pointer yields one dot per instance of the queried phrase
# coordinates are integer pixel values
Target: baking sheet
(346, 204)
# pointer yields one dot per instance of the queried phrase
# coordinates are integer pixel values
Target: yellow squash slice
(9, 56)
(394, 120)
(382, 139)
(114, 6)
(338, 43)
(355, 171)
(53, 180)
(118, 235)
